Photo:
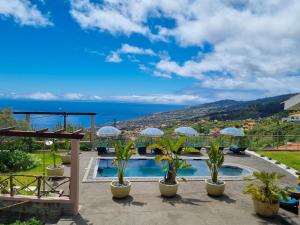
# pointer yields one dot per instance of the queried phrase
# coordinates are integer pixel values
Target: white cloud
(95, 16)
(23, 12)
(256, 44)
(157, 99)
(161, 99)
(129, 49)
(73, 96)
(160, 74)
(37, 96)
(113, 57)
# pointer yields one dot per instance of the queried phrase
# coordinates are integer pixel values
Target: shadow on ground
(128, 201)
(224, 198)
(75, 220)
(177, 199)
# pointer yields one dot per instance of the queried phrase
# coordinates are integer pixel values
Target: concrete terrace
(191, 206)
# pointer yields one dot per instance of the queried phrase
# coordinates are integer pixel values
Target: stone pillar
(92, 132)
(28, 120)
(74, 183)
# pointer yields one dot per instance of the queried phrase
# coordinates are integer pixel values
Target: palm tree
(215, 161)
(123, 154)
(266, 190)
(169, 158)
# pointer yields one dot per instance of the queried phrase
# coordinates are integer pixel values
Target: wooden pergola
(65, 115)
(75, 138)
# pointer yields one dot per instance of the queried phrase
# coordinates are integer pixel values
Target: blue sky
(182, 52)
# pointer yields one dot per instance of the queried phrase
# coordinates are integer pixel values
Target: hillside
(219, 110)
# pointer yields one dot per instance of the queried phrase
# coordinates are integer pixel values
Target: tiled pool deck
(145, 206)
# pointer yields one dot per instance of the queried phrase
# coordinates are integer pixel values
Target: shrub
(32, 221)
(85, 146)
(12, 161)
(266, 189)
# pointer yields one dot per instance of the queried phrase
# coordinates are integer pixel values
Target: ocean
(106, 111)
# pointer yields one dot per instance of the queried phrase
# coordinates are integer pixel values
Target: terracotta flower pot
(265, 209)
(65, 158)
(215, 189)
(168, 190)
(120, 191)
(55, 171)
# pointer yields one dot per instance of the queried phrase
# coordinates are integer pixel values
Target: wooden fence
(39, 186)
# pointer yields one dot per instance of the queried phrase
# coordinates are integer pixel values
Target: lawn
(38, 170)
(45, 160)
(291, 159)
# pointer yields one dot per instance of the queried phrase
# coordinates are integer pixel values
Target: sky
(150, 51)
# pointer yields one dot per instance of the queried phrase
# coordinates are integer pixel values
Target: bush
(12, 161)
(32, 221)
(22, 144)
(85, 146)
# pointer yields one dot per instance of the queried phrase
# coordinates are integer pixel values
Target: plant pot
(65, 158)
(265, 209)
(168, 190)
(120, 191)
(55, 171)
(215, 189)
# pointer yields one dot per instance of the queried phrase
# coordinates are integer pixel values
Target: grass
(39, 170)
(45, 160)
(291, 159)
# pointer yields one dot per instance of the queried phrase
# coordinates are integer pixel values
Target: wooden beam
(42, 130)
(19, 133)
(56, 113)
(77, 131)
(7, 128)
(59, 131)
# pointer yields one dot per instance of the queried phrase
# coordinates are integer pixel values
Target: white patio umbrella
(108, 131)
(233, 131)
(152, 132)
(186, 131)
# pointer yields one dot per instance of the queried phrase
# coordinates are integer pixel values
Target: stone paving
(191, 205)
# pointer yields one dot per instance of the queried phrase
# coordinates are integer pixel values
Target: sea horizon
(107, 111)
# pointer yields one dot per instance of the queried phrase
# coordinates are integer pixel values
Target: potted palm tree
(171, 163)
(265, 193)
(120, 188)
(214, 186)
(66, 156)
(54, 170)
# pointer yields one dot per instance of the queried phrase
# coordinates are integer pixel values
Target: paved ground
(191, 205)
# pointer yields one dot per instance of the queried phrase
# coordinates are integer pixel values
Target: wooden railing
(39, 186)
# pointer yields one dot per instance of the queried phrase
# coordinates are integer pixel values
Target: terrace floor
(190, 206)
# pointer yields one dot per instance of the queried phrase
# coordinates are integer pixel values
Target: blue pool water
(149, 168)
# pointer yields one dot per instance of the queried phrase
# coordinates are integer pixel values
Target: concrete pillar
(28, 120)
(74, 183)
(92, 132)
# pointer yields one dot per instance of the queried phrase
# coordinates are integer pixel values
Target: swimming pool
(148, 168)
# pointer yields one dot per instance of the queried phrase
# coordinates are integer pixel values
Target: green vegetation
(13, 161)
(266, 190)
(45, 160)
(169, 158)
(32, 221)
(215, 161)
(291, 159)
(123, 154)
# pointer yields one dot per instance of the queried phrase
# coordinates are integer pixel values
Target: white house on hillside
(292, 118)
(292, 103)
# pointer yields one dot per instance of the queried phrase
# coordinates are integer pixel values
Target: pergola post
(92, 132)
(28, 120)
(65, 121)
(74, 183)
